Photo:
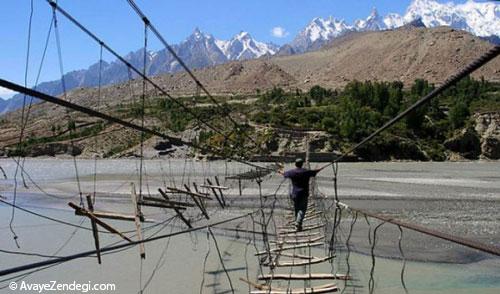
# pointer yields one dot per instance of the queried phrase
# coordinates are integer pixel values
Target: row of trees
(361, 107)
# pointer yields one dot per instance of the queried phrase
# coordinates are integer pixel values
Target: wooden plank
(255, 285)
(298, 235)
(220, 190)
(296, 241)
(203, 211)
(299, 263)
(215, 194)
(98, 221)
(137, 220)
(307, 216)
(177, 211)
(199, 195)
(202, 201)
(162, 200)
(290, 248)
(299, 256)
(160, 205)
(95, 232)
(288, 232)
(293, 227)
(109, 215)
(214, 187)
(311, 276)
(329, 288)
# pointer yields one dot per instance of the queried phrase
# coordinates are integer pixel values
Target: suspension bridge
(287, 261)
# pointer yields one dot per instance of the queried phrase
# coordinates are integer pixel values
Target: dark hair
(299, 163)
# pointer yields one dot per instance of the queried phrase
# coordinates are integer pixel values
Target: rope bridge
(281, 246)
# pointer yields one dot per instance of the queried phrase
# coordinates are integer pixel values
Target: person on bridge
(300, 189)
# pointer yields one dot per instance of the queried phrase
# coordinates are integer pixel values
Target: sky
(113, 21)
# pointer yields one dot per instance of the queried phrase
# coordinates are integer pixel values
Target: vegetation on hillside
(347, 115)
(361, 107)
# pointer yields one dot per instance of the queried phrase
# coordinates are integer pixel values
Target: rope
(400, 240)
(65, 95)
(348, 255)
(221, 259)
(12, 216)
(98, 108)
(111, 248)
(371, 282)
(205, 263)
(159, 264)
(143, 99)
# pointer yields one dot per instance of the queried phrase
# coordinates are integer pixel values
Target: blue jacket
(300, 181)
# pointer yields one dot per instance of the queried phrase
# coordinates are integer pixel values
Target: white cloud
(279, 32)
(6, 93)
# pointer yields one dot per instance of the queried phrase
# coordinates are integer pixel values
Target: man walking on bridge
(300, 191)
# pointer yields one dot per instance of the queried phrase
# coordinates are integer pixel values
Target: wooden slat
(311, 276)
(98, 221)
(95, 232)
(137, 220)
(300, 263)
(296, 241)
(160, 205)
(173, 203)
(198, 203)
(309, 228)
(293, 227)
(214, 187)
(300, 235)
(202, 201)
(307, 217)
(329, 288)
(220, 190)
(199, 195)
(177, 211)
(216, 195)
(108, 215)
(299, 256)
(290, 247)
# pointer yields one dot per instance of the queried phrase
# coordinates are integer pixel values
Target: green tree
(458, 114)
(395, 100)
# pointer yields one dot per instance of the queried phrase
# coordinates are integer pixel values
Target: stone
(488, 128)
(466, 143)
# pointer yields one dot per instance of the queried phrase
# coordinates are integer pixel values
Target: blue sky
(115, 23)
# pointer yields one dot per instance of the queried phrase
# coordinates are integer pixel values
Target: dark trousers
(300, 206)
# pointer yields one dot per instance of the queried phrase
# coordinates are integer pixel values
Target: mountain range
(202, 50)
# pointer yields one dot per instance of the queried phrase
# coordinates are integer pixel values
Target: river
(458, 198)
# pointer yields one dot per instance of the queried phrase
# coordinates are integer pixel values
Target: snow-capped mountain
(318, 32)
(374, 22)
(243, 46)
(197, 51)
(479, 18)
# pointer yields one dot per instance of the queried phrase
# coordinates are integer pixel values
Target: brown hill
(405, 54)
